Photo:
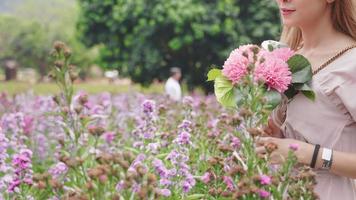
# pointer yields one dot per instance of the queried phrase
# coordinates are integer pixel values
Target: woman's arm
(343, 164)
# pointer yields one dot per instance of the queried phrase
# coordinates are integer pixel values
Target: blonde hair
(343, 16)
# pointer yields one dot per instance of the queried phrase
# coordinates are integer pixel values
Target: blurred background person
(172, 86)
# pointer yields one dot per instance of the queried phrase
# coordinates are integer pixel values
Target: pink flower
(235, 67)
(283, 53)
(275, 73)
(109, 137)
(206, 177)
(28, 124)
(263, 193)
(294, 146)
(235, 142)
(163, 192)
(265, 180)
(246, 50)
(229, 182)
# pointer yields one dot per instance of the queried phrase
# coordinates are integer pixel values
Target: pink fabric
(329, 121)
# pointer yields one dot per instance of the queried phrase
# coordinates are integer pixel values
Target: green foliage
(27, 32)
(301, 76)
(143, 39)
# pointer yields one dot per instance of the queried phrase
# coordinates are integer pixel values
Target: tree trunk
(10, 70)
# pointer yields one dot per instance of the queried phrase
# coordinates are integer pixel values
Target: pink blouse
(329, 121)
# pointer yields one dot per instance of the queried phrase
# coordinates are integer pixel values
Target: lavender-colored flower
(185, 125)
(229, 182)
(188, 100)
(28, 124)
(183, 138)
(23, 169)
(206, 177)
(235, 142)
(165, 182)
(148, 106)
(58, 170)
(3, 151)
(120, 186)
(263, 193)
(160, 168)
(186, 187)
(109, 137)
(265, 180)
(136, 187)
(153, 147)
(294, 147)
(163, 192)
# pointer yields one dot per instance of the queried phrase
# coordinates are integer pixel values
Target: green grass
(90, 87)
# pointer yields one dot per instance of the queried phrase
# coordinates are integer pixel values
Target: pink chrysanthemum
(283, 53)
(235, 67)
(275, 73)
(247, 51)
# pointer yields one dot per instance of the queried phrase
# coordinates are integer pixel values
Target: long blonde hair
(343, 16)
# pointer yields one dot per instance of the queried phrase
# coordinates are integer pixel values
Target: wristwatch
(327, 157)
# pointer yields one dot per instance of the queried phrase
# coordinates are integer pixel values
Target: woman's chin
(287, 22)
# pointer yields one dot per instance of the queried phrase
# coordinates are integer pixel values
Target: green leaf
(306, 90)
(297, 63)
(291, 92)
(213, 73)
(300, 68)
(309, 94)
(195, 196)
(302, 76)
(273, 98)
(224, 91)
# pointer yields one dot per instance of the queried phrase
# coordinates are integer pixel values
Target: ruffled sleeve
(347, 94)
(340, 85)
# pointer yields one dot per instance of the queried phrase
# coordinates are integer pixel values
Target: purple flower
(14, 184)
(229, 182)
(163, 192)
(294, 147)
(160, 168)
(185, 125)
(188, 100)
(28, 124)
(183, 138)
(206, 177)
(22, 168)
(120, 186)
(186, 187)
(148, 106)
(235, 142)
(109, 137)
(165, 182)
(263, 193)
(58, 170)
(265, 180)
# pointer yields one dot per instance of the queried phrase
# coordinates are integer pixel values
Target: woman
(321, 30)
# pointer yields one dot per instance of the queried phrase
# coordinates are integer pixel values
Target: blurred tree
(29, 30)
(144, 38)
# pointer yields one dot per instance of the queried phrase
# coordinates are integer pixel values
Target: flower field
(130, 146)
(126, 146)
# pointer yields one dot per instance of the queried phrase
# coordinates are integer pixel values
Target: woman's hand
(273, 130)
(302, 150)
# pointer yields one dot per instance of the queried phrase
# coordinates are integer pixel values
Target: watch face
(326, 155)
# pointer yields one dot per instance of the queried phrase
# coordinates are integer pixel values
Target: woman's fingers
(260, 150)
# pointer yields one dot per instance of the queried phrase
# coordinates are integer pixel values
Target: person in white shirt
(172, 86)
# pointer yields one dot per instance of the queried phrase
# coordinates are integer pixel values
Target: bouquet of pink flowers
(254, 80)
(266, 72)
